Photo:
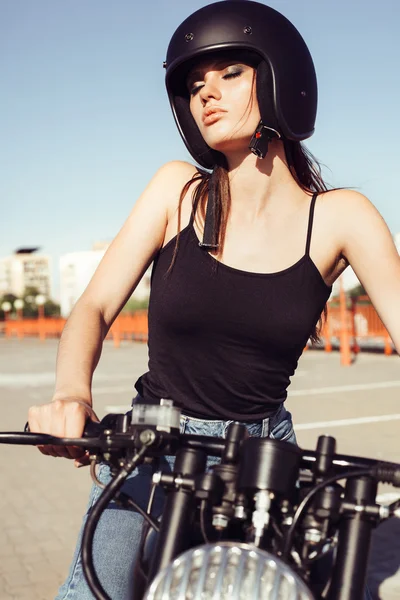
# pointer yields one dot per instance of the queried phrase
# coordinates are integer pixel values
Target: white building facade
(25, 269)
(76, 270)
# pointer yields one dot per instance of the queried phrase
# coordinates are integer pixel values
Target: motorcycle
(270, 521)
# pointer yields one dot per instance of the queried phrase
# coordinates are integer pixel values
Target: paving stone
(16, 578)
(11, 564)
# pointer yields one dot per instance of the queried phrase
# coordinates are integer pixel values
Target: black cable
(203, 506)
(127, 502)
(306, 500)
(93, 518)
(151, 498)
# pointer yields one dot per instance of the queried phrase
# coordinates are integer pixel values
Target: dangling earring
(263, 135)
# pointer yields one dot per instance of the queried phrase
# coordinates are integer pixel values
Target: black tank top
(223, 343)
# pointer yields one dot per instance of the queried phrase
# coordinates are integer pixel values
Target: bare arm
(368, 246)
(115, 279)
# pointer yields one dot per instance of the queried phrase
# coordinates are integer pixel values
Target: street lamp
(40, 300)
(19, 305)
(6, 307)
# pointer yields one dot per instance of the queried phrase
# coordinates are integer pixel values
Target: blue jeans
(118, 532)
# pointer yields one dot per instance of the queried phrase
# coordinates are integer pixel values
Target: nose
(210, 90)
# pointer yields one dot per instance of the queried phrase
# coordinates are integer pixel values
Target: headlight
(227, 571)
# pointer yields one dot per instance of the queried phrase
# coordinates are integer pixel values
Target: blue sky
(85, 121)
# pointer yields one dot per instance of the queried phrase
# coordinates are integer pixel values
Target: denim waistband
(277, 426)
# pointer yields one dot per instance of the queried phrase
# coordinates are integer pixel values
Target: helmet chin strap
(211, 224)
(263, 135)
(259, 143)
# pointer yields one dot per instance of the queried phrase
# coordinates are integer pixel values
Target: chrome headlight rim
(174, 582)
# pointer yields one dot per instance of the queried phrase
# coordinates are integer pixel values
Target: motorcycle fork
(355, 530)
(177, 516)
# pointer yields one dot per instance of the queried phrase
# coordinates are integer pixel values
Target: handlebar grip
(92, 429)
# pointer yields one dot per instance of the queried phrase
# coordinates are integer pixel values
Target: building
(25, 268)
(76, 270)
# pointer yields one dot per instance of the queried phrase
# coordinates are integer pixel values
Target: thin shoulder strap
(310, 223)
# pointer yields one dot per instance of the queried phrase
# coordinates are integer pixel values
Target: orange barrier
(42, 327)
(130, 327)
(126, 326)
(361, 323)
(346, 325)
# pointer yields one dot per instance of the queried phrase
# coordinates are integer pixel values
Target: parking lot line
(337, 389)
(346, 422)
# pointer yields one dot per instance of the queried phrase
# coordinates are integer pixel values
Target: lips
(212, 114)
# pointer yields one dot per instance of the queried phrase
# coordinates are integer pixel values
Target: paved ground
(42, 499)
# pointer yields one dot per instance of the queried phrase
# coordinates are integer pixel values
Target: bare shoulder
(176, 168)
(175, 173)
(169, 181)
(357, 224)
(347, 210)
(346, 204)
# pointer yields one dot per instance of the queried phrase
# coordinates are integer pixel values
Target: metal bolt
(303, 93)
(313, 535)
(220, 521)
(248, 30)
(240, 512)
(189, 37)
(384, 512)
(164, 64)
(156, 477)
(147, 436)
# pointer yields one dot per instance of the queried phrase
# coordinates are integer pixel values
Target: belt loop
(265, 429)
(182, 423)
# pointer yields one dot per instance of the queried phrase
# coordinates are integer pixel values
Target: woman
(244, 257)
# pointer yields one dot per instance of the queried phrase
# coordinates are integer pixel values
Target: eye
(195, 89)
(233, 73)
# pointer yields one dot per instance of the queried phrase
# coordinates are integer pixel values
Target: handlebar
(105, 437)
(116, 438)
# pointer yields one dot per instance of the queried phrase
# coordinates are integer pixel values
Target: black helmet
(286, 80)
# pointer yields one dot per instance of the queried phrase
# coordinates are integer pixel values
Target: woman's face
(223, 103)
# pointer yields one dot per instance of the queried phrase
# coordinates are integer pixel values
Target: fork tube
(350, 570)
(177, 516)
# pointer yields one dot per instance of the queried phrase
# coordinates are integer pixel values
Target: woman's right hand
(63, 417)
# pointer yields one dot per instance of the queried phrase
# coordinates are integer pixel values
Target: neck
(261, 182)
